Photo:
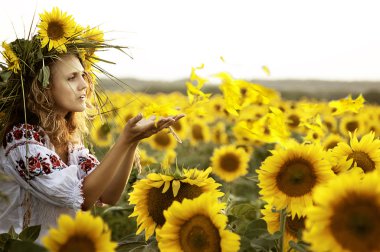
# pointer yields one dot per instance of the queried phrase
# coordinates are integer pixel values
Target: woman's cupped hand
(138, 128)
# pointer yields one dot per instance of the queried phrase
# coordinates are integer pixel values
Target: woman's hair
(40, 109)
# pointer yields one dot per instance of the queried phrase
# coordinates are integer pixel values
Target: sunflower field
(245, 170)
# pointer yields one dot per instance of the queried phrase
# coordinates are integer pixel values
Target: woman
(50, 170)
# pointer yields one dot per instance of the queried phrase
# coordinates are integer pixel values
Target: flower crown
(28, 59)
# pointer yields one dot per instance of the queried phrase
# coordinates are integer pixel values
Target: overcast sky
(324, 39)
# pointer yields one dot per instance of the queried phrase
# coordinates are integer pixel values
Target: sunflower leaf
(301, 247)
(245, 210)
(131, 246)
(256, 228)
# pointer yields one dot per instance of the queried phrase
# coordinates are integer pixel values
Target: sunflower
(330, 122)
(345, 216)
(332, 140)
(168, 159)
(364, 153)
(145, 159)
(293, 119)
(197, 225)
(154, 194)
(339, 165)
(199, 132)
(162, 141)
(101, 133)
(293, 225)
(314, 136)
(219, 134)
(288, 177)
(85, 233)
(351, 123)
(181, 128)
(55, 28)
(229, 162)
(11, 58)
(216, 106)
(92, 35)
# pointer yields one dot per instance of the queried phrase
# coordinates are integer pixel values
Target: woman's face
(68, 87)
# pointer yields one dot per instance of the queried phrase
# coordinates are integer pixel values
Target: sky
(295, 39)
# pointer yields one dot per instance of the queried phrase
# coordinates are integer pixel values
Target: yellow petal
(175, 186)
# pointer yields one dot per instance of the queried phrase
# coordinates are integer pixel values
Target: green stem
(282, 228)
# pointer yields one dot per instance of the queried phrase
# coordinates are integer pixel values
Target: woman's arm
(112, 173)
(112, 193)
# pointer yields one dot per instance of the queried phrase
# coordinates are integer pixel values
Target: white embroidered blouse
(54, 187)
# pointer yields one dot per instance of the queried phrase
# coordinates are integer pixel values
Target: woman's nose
(83, 83)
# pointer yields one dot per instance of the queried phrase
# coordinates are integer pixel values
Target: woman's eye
(71, 78)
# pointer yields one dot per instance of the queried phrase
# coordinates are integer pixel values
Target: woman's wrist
(126, 142)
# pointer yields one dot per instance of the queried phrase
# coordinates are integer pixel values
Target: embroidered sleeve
(85, 160)
(40, 170)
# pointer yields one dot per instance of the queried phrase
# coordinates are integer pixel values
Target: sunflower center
(218, 136)
(362, 160)
(296, 178)
(293, 226)
(352, 126)
(199, 234)
(162, 139)
(78, 244)
(103, 131)
(355, 223)
(177, 126)
(328, 125)
(294, 121)
(55, 30)
(158, 201)
(229, 162)
(331, 145)
(197, 132)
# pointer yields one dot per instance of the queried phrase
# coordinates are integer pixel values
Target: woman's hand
(138, 128)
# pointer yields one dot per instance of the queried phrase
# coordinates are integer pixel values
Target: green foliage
(22, 242)
(137, 243)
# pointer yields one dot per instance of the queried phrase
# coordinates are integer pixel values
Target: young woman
(50, 171)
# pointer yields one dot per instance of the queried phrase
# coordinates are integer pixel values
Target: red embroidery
(38, 165)
(87, 163)
(18, 134)
(55, 161)
(29, 132)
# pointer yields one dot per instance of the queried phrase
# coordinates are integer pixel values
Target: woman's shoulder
(23, 132)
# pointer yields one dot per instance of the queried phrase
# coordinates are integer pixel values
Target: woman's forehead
(67, 63)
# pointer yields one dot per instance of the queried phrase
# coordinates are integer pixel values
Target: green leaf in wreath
(23, 246)
(12, 233)
(4, 75)
(44, 75)
(30, 233)
(4, 237)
